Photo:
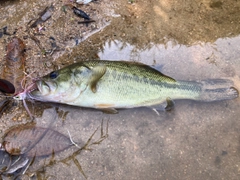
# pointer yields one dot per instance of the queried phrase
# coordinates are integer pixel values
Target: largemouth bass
(118, 84)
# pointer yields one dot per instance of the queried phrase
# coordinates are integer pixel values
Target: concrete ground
(185, 39)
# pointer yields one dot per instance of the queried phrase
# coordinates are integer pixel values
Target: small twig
(72, 140)
(155, 110)
(79, 167)
(86, 21)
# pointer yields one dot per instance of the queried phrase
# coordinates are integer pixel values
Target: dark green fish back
(133, 68)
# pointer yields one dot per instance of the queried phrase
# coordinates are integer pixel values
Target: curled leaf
(14, 64)
(11, 164)
(80, 13)
(5, 161)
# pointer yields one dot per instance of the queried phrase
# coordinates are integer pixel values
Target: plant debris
(34, 141)
(14, 66)
(43, 16)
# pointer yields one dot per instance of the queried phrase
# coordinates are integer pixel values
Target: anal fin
(170, 104)
(109, 111)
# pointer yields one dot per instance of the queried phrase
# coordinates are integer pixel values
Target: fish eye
(53, 75)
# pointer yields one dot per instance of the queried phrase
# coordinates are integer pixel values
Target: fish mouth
(31, 87)
(42, 88)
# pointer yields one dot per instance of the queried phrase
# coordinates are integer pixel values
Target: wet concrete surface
(187, 40)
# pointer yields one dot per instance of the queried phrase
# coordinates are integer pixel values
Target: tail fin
(217, 89)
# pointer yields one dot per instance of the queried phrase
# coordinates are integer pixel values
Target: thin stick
(72, 140)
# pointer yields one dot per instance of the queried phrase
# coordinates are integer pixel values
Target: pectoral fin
(97, 72)
(170, 104)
